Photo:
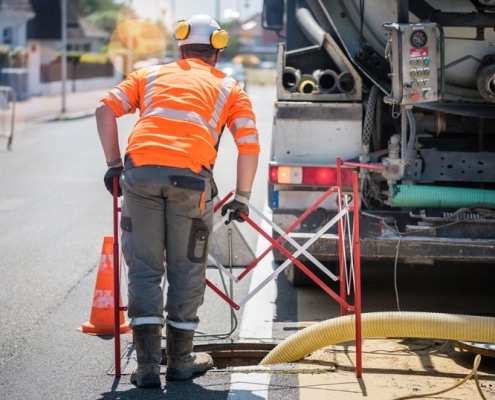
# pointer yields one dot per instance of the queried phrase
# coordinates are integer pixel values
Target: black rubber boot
(148, 341)
(182, 363)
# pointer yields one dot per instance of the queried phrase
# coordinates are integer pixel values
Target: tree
(233, 48)
(88, 7)
(102, 13)
(106, 20)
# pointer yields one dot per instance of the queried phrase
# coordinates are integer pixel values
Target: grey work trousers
(165, 212)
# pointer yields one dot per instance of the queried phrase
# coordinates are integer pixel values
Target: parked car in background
(235, 70)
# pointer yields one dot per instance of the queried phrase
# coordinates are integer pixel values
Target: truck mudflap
(388, 236)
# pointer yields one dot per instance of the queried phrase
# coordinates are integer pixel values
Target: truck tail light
(312, 176)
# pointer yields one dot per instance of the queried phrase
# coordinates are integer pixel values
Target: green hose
(438, 196)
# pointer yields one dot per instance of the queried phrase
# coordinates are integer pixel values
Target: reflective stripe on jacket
(183, 108)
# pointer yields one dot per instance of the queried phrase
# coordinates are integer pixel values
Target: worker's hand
(108, 179)
(234, 208)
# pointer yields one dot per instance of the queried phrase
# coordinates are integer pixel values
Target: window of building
(8, 36)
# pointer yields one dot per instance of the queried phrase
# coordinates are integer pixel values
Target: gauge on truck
(415, 52)
(418, 38)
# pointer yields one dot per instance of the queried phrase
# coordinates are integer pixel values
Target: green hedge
(16, 57)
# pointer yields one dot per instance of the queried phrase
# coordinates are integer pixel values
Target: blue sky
(153, 9)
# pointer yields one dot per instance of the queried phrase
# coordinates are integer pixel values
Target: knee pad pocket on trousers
(197, 249)
(126, 224)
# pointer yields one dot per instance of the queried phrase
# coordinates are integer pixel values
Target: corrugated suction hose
(382, 324)
(439, 196)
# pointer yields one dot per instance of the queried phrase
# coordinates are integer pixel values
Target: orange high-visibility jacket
(183, 108)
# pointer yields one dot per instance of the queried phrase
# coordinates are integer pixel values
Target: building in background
(46, 29)
(14, 16)
(44, 38)
(255, 40)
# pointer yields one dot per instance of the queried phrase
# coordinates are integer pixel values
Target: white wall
(34, 62)
(79, 85)
(38, 88)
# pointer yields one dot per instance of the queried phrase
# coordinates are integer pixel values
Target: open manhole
(225, 355)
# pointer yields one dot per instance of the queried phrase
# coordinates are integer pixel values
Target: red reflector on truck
(319, 176)
(312, 176)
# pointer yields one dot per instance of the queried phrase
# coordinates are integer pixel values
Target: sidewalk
(49, 108)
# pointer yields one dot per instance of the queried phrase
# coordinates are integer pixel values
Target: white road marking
(249, 386)
(256, 325)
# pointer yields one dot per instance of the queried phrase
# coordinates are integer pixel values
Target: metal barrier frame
(346, 279)
(117, 308)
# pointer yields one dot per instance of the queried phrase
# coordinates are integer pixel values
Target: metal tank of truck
(405, 85)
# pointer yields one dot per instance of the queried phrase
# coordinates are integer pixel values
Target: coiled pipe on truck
(326, 80)
(485, 81)
(307, 84)
(345, 82)
(291, 78)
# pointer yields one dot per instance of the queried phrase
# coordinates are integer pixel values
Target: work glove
(109, 176)
(236, 206)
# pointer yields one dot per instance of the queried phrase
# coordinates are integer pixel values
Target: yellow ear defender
(219, 39)
(182, 30)
(201, 33)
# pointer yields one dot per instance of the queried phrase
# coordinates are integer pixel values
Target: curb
(62, 117)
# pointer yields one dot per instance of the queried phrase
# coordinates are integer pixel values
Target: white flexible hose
(382, 324)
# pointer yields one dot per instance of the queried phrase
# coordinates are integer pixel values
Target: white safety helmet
(201, 29)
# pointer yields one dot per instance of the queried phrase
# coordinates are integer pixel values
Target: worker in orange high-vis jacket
(166, 179)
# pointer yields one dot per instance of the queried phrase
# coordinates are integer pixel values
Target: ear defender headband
(219, 38)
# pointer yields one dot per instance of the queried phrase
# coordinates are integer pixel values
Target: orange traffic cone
(102, 317)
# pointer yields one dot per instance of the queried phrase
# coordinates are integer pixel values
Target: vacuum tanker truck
(406, 87)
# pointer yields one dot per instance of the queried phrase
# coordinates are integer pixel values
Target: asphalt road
(54, 213)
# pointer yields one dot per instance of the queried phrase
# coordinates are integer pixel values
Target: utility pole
(217, 10)
(64, 53)
(129, 40)
(175, 48)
